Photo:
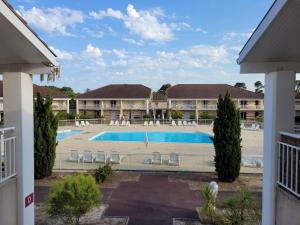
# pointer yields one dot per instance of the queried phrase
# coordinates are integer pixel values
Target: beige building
(199, 100)
(116, 101)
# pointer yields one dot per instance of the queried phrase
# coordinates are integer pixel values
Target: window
(243, 115)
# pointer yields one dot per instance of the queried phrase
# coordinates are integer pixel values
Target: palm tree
(259, 87)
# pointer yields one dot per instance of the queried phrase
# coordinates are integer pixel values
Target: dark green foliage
(103, 173)
(206, 115)
(176, 114)
(45, 129)
(65, 116)
(241, 85)
(67, 90)
(241, 209)
(227, 140)
(163, 88)
(259, 87)
(72, 198)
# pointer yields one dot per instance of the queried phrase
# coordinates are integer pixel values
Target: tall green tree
(227, 140)
(241, 85)
(163, 88)
(258, 87)
(45, 130)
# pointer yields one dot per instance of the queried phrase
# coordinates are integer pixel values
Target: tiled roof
(156, 96)
(119, 91)
(43, 90)
(209, 91)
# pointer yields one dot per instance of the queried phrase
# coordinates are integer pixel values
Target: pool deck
(136, 152)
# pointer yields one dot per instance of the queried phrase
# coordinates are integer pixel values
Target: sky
(151, 42)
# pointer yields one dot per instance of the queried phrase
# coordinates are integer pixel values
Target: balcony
(289, 163)
(59, 107)
(90, 107)
(112, 106)
(207, 107)
(8, 154)
(251, 107)
(183, 107)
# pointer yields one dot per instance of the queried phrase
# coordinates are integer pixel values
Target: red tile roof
(209, 91)
(119, 91)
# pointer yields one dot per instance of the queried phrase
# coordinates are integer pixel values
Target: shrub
(206, 115)
(227, 140)
(65, 116)
(208, 208)
(72, 198)
(175, 114)
(103, 172)
(45, 129)
(241, 209)
(192, 117)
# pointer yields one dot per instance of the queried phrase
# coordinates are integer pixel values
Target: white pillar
(77, 107)
(147, 107)
(18, 110)
(102, 109)
(278, 116)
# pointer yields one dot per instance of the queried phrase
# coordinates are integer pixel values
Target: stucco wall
(288, 208)
(8, 202)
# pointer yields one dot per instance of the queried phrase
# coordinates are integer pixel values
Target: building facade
(116, 101)
(198, 101)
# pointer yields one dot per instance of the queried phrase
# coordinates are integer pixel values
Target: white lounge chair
(75, 156)
(243, 126)
(117, 123)
(82, 123)
(77, 124)
(194, 123)
(123, 123)
(174, 159)
(156, 158)
(87, 157)
(173, 123)
(150, 123)
(146, 123)
(189, 124)
(87, 123)
(179, 123)
(212, 124)
(128, 123)
(115, 157)
(101, 157)
(157, 123)
(112, 123)
(184, 123)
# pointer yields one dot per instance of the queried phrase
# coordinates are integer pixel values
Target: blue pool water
(66, 134)
(170, 137)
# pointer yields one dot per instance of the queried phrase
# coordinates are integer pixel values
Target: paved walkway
(150, 201)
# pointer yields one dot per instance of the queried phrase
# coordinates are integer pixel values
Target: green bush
(72, 198)
(103, 172)
(208, 208)
(260, 119)
(227, 140)
(65, 116)
(206, 115)
(176, 114)
(241, 209)
(192, 117)
(45, 129)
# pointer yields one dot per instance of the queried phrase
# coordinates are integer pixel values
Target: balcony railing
(207, 107)
(91, 107)
(184, 107)
(8, 154)
(289, 163)
(59, 107)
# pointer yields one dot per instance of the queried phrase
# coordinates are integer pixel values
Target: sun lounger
(173, 123)
(115, 158)
(117, 123)
(146, 123)
(123, 123)
(212, 124)
(179, 123)
(156, 158)
(82, 123)
(194, 123)
(243, 126)
(174, 159)
(75, 156)
(184, 123)
(128, 123)
(189, 124)
(112, 123)
(87, 157)
(77, 124)
(157, 123)
(151, 123)
(101, 157)
(87, 123)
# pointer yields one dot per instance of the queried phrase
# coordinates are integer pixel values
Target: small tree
(176, 114)
(45, 129)
(241, 85)
(72, 198)
(227, 140)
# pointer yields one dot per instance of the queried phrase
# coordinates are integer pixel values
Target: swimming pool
(169, 137)
(66, 134)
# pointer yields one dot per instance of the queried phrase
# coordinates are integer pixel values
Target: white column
(147, 107)
(77, 107)
(18, 112)
(278, 116)
(102, 109)
(68, 106)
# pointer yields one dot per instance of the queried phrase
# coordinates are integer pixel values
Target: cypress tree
(227, 140)
(45, 129)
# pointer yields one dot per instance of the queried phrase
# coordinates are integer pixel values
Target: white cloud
(237, 36)
(92, 51)
(52, 20)
(120, 62)
(134, 42)
(61, 54)
(93, 55)
(199, 29)
(93, 33)
(144, 23)
(120, 53)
